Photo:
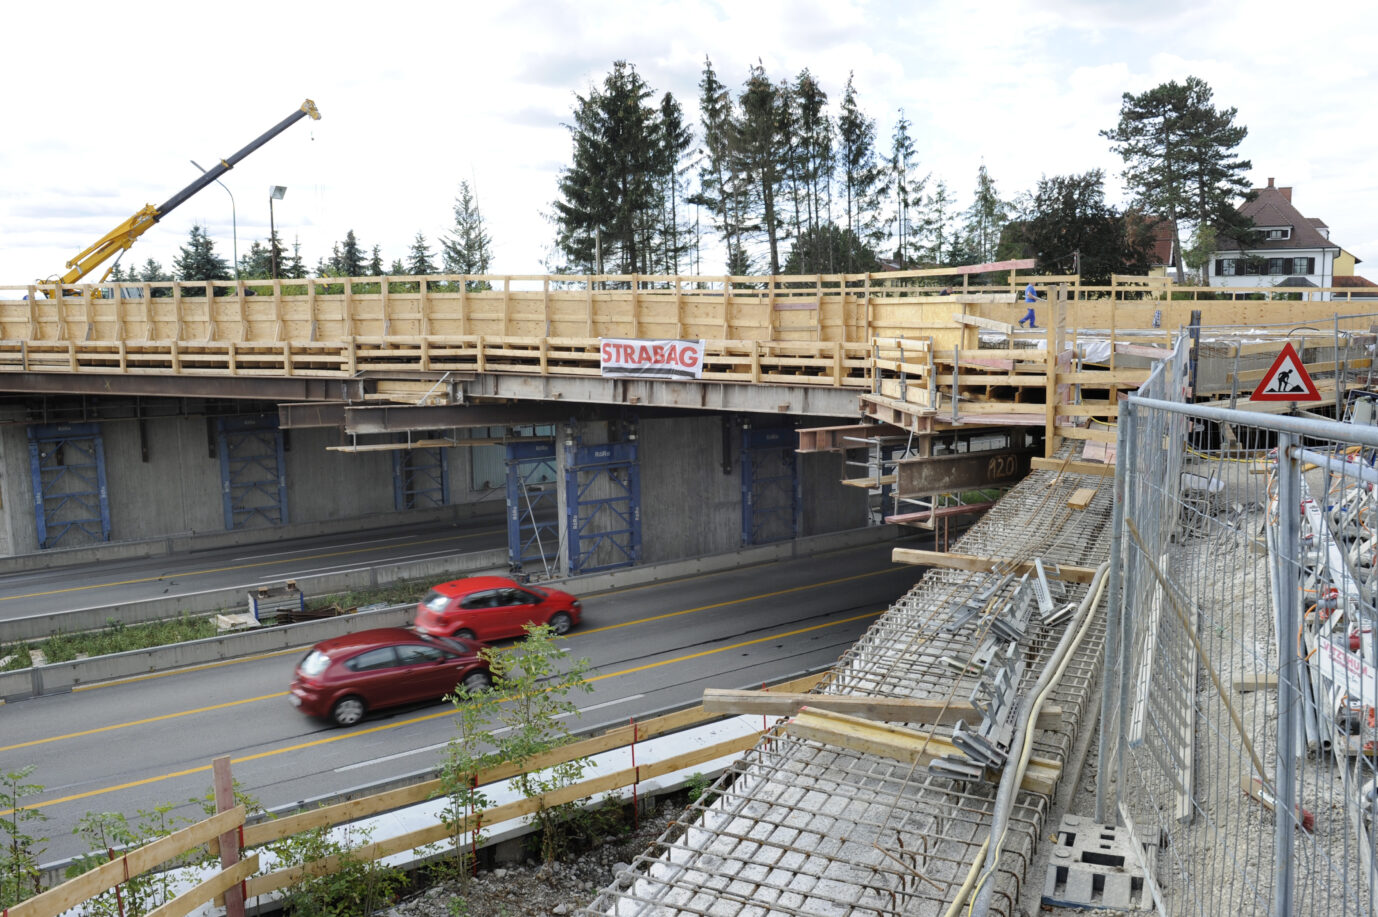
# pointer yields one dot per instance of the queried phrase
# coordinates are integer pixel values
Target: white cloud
(417, 96)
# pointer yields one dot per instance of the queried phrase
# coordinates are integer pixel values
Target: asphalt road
(244, 567)
(145, 742)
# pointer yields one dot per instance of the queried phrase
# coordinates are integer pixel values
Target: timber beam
(400, 418)
(1065, 572)
(891, 709)
(258, 388)
(910, 746)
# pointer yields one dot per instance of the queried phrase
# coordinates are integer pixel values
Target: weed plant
(118, 637)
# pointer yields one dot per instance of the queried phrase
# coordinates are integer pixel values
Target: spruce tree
(985, 219)
(375, 262)
(861, 176)
(197, 259)
(676, 139)
(719, 185)
(759, 150)
(419, 262)
(467, 248)
(908, 190)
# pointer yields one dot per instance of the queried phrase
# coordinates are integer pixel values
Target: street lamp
(275, 193)
(234, 221)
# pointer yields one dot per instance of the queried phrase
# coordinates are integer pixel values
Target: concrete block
(1094, 866)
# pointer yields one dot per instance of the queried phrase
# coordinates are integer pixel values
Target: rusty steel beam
(399, 418)
(969, 471)
(258, 388)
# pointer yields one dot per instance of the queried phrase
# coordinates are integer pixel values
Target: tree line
(770, 179)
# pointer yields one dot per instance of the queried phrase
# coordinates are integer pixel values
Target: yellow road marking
(355, 733)
(142, 722)
(231, 569)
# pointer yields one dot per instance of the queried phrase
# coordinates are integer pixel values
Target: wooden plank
(970, 562)
(894, 709)
(989, 324)
(1255, 681)
(911, 746)
(88, 885)
(212, 888)
(1081, 497)
(1073, 467)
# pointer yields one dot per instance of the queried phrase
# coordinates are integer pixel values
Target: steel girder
(67, 467)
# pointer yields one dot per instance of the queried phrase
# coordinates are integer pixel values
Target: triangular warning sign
(1286, 380)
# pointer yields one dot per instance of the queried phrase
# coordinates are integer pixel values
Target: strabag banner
(637, 359)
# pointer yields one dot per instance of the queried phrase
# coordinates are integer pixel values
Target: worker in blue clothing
(1030, 297)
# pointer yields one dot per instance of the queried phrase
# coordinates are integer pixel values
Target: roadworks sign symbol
(1286, 380)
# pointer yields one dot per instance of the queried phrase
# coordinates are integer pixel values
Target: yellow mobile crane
(123, 236)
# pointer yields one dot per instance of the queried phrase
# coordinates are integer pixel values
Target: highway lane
(149, 741)
(129, 581)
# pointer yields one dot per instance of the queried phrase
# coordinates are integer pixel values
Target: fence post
(229, 841)
(1114, 624)
(1289, 674)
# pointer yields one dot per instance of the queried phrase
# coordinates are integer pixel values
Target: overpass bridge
(254, 409)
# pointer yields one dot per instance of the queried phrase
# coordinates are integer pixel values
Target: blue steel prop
(533, 512)
(253, 480)
(67, 467)
(420, 478)
(603, 494)
(770, 486)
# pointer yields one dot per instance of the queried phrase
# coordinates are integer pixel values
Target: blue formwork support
(420, 478)
(603, 506)
(771, 503)
(67, 468)
(533, 511)
(253, 479)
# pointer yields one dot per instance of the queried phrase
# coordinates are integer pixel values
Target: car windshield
(315, 663)
(435, 601)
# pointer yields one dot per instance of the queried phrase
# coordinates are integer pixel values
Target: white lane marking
(426, 748)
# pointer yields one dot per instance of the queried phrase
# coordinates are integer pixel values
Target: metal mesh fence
(1239, 716)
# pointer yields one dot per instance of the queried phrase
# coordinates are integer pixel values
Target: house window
(1303, 265)
(1273, 234)
(1225, 267)
(1279, 265)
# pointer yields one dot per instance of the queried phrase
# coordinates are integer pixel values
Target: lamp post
(275, 193)
(234, 220)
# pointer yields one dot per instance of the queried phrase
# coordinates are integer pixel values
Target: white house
(1288, 250)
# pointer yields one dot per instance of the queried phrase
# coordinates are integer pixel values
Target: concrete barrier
(58, 678)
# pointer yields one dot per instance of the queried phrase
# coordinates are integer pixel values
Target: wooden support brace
(1092, 468)
(911, 746)
(1064, 572)
(892, 709)
(1081, 497)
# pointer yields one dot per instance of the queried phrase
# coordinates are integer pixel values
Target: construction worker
(1030, 297)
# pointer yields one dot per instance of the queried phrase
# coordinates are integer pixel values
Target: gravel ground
(532, 889)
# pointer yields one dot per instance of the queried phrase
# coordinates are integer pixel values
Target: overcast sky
(105, 104)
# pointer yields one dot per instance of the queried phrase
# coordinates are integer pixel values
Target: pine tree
(419, 261)
(375, 262)
(759, 150)
(198, 260)
(816, 165)
(719, 185)
(1179, 157)
(676, 139)
(908, 190)
(467, 249)
(256, 263)
(861, 176)
(939, 233)
(985, 219)
(293, 268)
(1070, 228)
(610, 185)
(348, 257)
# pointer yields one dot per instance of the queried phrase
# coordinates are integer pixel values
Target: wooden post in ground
(229, 841)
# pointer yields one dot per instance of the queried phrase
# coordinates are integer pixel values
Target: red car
(345, 677)
(492, 608)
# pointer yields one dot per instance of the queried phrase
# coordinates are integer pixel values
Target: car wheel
(347, 711)
(561, 622)
(465, 634)
(478, 681)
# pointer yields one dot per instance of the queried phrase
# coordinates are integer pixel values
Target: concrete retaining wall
(61, 677)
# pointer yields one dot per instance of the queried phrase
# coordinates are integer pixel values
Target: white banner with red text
(637, 359)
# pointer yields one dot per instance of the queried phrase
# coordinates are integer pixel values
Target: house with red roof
(1286, 249)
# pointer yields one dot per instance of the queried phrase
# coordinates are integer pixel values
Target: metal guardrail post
(1114, 625)
(1123, 582)
(1289, 674)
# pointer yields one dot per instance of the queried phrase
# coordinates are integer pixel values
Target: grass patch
(118, 637)
(16, 657)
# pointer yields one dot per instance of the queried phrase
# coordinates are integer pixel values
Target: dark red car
(345, 677)
(492, 608)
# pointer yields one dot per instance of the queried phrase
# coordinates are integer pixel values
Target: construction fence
(1238, 731)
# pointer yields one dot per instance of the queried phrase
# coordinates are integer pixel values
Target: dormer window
(1273, 235)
